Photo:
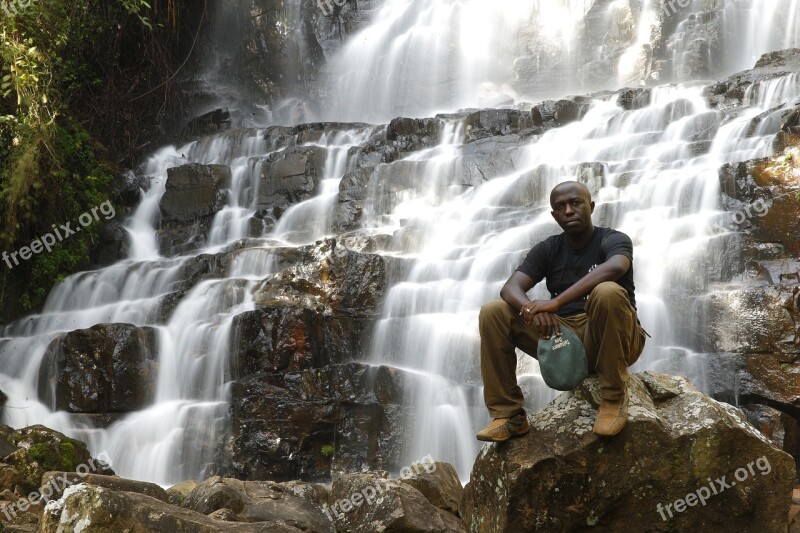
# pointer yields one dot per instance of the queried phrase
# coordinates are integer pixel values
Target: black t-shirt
(554, 259)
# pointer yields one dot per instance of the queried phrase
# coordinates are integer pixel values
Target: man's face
(572, 209)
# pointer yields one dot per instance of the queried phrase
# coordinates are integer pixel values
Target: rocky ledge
(684, 462)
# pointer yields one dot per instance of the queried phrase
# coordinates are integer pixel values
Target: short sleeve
(535, 263)
(617, 243)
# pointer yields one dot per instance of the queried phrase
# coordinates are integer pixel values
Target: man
(589, 272)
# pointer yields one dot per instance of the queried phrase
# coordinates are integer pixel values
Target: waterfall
(653, 173)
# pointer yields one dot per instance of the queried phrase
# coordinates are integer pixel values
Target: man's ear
(553, 214)
(592, 204)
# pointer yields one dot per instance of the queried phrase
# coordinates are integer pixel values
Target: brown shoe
(612, 416)
(502, 429)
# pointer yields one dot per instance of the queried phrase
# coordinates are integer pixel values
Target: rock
(39, 450)
(439, 483)
(211, 122)
(126, 187)
(106, 511)
(348, 211)
(194, 191)
(54, 484)
(492, 122)
(367, 502)
(258, 501)
(561, 112)
(410, 134)
(730, 93)
(289, 177)
(656, 475)
(634, 99)
(309, 424)
(177, 493)
(108, 368)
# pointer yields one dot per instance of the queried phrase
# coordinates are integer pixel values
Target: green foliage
(327, 450)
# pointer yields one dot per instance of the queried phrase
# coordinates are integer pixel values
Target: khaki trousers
(611, 334)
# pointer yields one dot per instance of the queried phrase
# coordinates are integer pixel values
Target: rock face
(683, 462)
(108, 368)
(90, 508)
(368, 502)
(194, 194)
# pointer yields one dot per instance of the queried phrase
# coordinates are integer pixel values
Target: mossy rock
(41, 449)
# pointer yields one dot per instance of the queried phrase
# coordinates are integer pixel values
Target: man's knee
(494, 310)
(608, 292)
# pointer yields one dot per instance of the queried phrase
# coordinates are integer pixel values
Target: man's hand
(541, 313)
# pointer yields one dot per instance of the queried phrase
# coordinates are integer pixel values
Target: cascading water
(653, 171)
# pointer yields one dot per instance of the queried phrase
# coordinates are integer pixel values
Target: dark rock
(41, 449)
(412, 134)
(57, 482)
(289, 177)
(108, 368)
(260, 501)
(306, 425)
(194, 191)
(177, 493)
(731, 93)
(633, 99)
(126, 188)
(110, 511)
(492, 122)
(349, 209)
(211, 122)
(563, 477)
(439, 483)
(367, 502)
(559, 113)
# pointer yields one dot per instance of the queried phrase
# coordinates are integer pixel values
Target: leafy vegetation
(69, 72)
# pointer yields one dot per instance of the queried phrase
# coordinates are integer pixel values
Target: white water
(463, 240)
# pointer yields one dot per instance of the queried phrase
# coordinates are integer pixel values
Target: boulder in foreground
(684, 462)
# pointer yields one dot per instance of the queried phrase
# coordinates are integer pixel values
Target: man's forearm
(514, 296)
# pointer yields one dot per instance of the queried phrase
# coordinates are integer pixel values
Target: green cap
(562, 360)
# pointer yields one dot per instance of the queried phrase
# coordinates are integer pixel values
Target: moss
(327, 450)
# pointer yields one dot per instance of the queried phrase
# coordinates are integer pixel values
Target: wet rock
(634, 99)
(762, 195)
(194, 191)
(653, 475)
(560, 112)
(260, 501)
(289, 177)
(107, 511)
(440, 485)
(731, 92)
(211, 122)
(126, 187)
(492, 122)
(108, 368)
(349, 209)
(410, 134)
(309, 424)
(40, 449)
(54, 484)
(367, 502)
(177, 493)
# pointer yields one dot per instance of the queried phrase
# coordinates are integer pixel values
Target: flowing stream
(653, 172)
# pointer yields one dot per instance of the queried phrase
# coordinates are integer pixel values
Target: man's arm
(514, 292)
(614, 268)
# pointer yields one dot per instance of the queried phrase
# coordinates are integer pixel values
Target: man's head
(572, 207)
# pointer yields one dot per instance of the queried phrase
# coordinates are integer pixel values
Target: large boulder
(298, 504)
(88, 508)
(314, 423)
(289, 177)
(194, 191)
(368, 502)
(684, 462)
(108, 368)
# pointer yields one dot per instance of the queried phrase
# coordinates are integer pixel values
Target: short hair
(580, 186)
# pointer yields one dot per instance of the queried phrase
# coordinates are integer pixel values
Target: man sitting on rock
(589, 272)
